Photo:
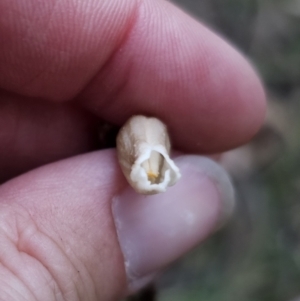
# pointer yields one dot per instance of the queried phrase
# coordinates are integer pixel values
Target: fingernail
(155, 230)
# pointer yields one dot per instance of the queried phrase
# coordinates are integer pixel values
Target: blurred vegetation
(257, 256)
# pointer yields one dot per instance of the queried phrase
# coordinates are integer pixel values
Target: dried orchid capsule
(143, 147)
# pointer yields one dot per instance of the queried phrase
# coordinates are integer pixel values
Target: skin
(63, 67)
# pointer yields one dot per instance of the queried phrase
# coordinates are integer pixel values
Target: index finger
(136, 57)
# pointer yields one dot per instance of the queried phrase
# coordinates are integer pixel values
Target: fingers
(172, 67)
(80, 232)
(129, 57)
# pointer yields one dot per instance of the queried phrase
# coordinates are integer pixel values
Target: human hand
(73, 229)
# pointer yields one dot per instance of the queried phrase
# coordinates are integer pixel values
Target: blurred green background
(257, 256)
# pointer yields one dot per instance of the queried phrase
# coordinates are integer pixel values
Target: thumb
(73, 230)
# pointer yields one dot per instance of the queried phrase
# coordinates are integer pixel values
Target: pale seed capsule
(143, 148)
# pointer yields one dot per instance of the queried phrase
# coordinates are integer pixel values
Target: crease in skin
(72, 286)
(10, 253)
(12, 284)
(35, 248)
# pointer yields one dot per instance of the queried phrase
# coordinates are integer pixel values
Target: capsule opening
(153, 167)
